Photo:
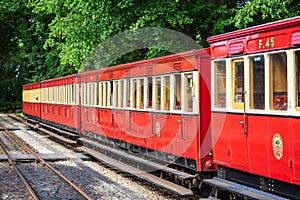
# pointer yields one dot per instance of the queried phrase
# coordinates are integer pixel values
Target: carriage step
(241, 189)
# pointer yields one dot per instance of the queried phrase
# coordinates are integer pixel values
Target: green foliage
(42, 39)
(7, 105)
(263, 11)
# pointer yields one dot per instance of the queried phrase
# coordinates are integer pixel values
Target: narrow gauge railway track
(138, 166)
(29, 173)
(99, 184)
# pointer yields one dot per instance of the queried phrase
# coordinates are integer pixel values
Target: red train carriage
(159, 107)
(256, 109)
(60, 102)
(31, 100)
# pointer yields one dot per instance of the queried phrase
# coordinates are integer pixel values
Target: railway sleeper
(53, 157)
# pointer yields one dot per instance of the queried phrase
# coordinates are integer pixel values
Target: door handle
(241, 122)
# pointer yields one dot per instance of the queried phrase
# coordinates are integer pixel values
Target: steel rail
(29, 150)
(24, 180)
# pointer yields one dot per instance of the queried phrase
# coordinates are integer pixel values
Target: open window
(120, 94)
(96, 94)
(127, 93)
(257, 82)
(115, 93)
(220, 84)
(177, 92)
(238, 83)
(149, 92)
(133, 93)
(140, 94)
(157, 93)
(189, 90)
(166, 93)
(278, 81)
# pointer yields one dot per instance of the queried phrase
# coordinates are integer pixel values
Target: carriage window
(100, 96)
(55, 94)
(88, 93)
(46, 94)
(50, 94)
(140, 94)
(65, 93)
(149, 92)
(74, 94)
(166, 93)
(134, 93)
(278, 81)
(127, 93)
(116, 91)
(110, 91)
(257, 82)
(85, 94)
(93, 97)
(157, 93)
(177, 91)
(220, 84)
(188, 92)
(96, 94)
(297, 65)
(120, 95)
(238, 83)
(68, 94)
(104, 94)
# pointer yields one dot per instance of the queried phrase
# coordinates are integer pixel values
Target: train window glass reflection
(257, 82)
(157, 93)
(104, 94)
(177, 91)
(127, 93)
(297, 67)
(134, 93)
(140, 94)
(238, 83)
(220, 84)
(96, 94)
(188, 92)
(278, 81)
(100, 94)
(166, 93)
(110, 91)
(149, 91)
(75, 96)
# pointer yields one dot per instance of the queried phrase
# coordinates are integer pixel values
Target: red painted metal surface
(62, 114)
(180, 133)
(32, 108)
(275, 35)
(270, 147)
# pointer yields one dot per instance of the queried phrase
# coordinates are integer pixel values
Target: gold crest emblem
(157, 129)
(277, 146)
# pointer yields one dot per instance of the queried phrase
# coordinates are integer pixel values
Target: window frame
(237, 105)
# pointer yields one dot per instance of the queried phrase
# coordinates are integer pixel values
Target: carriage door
(238, 118)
